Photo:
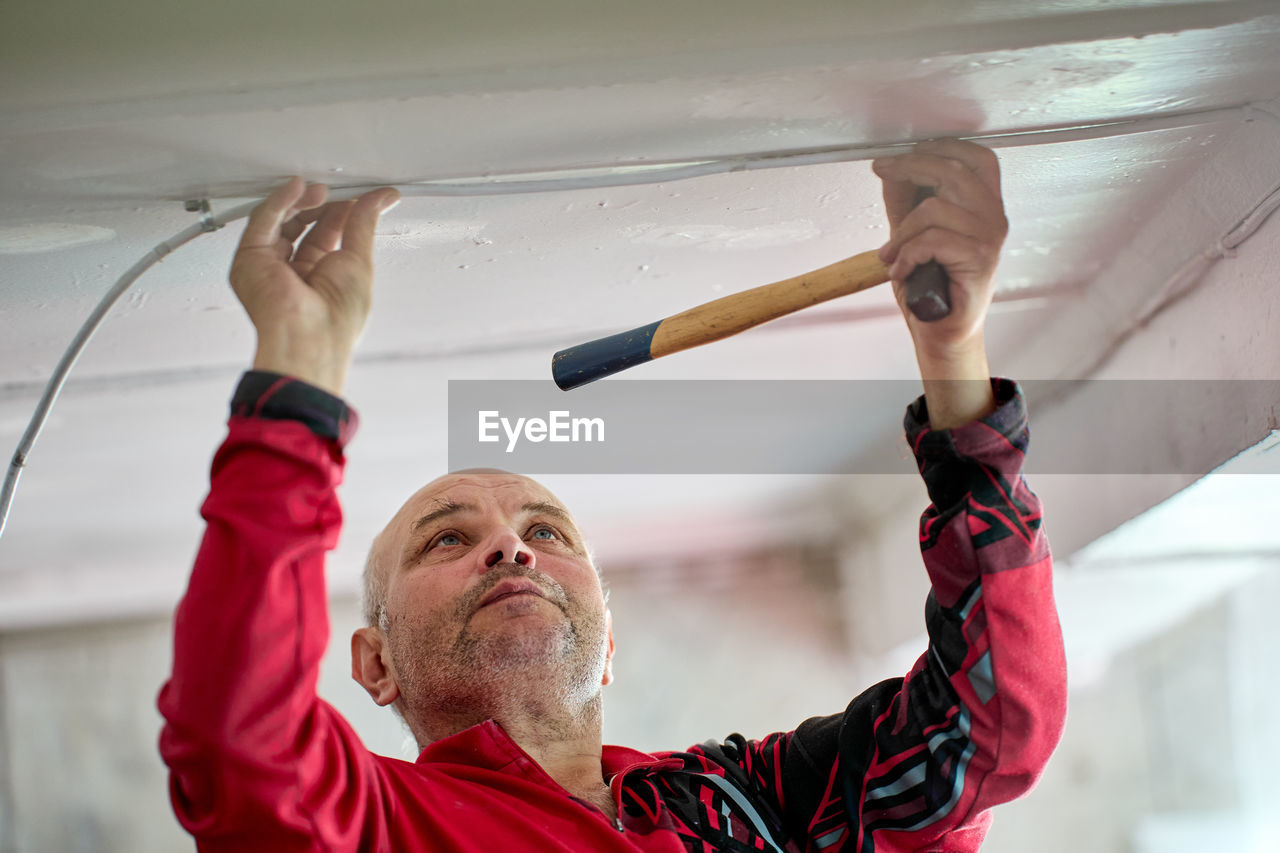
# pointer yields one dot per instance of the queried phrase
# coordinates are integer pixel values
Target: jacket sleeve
(257, 761)
(914, 763)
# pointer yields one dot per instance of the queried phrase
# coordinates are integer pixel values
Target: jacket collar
(487, 745)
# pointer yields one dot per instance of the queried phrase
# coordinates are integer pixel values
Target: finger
(323, 237)
(951, 179)
(981, 160)
(264, 226)
(965, 259)
(293, 229)
(899, 198)
(313, 197)
(936, 213)
(357, 236)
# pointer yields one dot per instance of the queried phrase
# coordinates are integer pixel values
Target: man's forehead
(479, 485)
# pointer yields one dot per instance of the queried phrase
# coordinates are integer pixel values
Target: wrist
(318, 366)
(962, 360)
(957, 383)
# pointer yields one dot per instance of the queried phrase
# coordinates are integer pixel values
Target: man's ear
(608, 660)
(368, 666)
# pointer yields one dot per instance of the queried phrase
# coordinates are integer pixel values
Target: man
(488, 631)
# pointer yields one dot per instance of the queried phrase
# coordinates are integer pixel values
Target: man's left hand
(962, 227)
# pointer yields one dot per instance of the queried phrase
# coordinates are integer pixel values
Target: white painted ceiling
(112, 116)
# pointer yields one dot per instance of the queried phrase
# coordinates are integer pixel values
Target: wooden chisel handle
(715, 320)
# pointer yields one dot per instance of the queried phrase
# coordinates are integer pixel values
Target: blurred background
(1140, 148)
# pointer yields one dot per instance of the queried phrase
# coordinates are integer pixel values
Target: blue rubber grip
(596, 359)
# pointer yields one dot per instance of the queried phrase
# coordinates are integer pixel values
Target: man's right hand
(309, 303)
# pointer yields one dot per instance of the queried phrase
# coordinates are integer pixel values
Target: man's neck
(570, 755)
(566, 744)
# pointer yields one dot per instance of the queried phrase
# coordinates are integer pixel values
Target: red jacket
(259, 762)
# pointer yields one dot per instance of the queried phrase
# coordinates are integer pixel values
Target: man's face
(490, 592)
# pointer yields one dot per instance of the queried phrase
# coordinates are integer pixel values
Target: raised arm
(257, 761)
(972, 725)
(915, 763)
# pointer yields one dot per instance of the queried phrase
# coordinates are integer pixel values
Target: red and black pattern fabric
(709, 801)
(262, 394)
(915, 763)
(258, 762)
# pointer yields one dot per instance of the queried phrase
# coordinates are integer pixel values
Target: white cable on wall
(648, 173)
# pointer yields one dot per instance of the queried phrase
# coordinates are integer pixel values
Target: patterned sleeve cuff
(997, 441)
(273, 396)
(1008, 420)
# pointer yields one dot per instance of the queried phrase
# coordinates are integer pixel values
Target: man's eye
(448, 539)
(539, 531)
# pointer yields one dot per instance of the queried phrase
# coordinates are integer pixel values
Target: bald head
(430, 503)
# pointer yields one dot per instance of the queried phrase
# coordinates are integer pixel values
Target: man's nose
(506, 547)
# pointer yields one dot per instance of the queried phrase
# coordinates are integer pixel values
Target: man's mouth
(510, 588)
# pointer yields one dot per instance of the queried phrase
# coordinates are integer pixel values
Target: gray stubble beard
(553, 674)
